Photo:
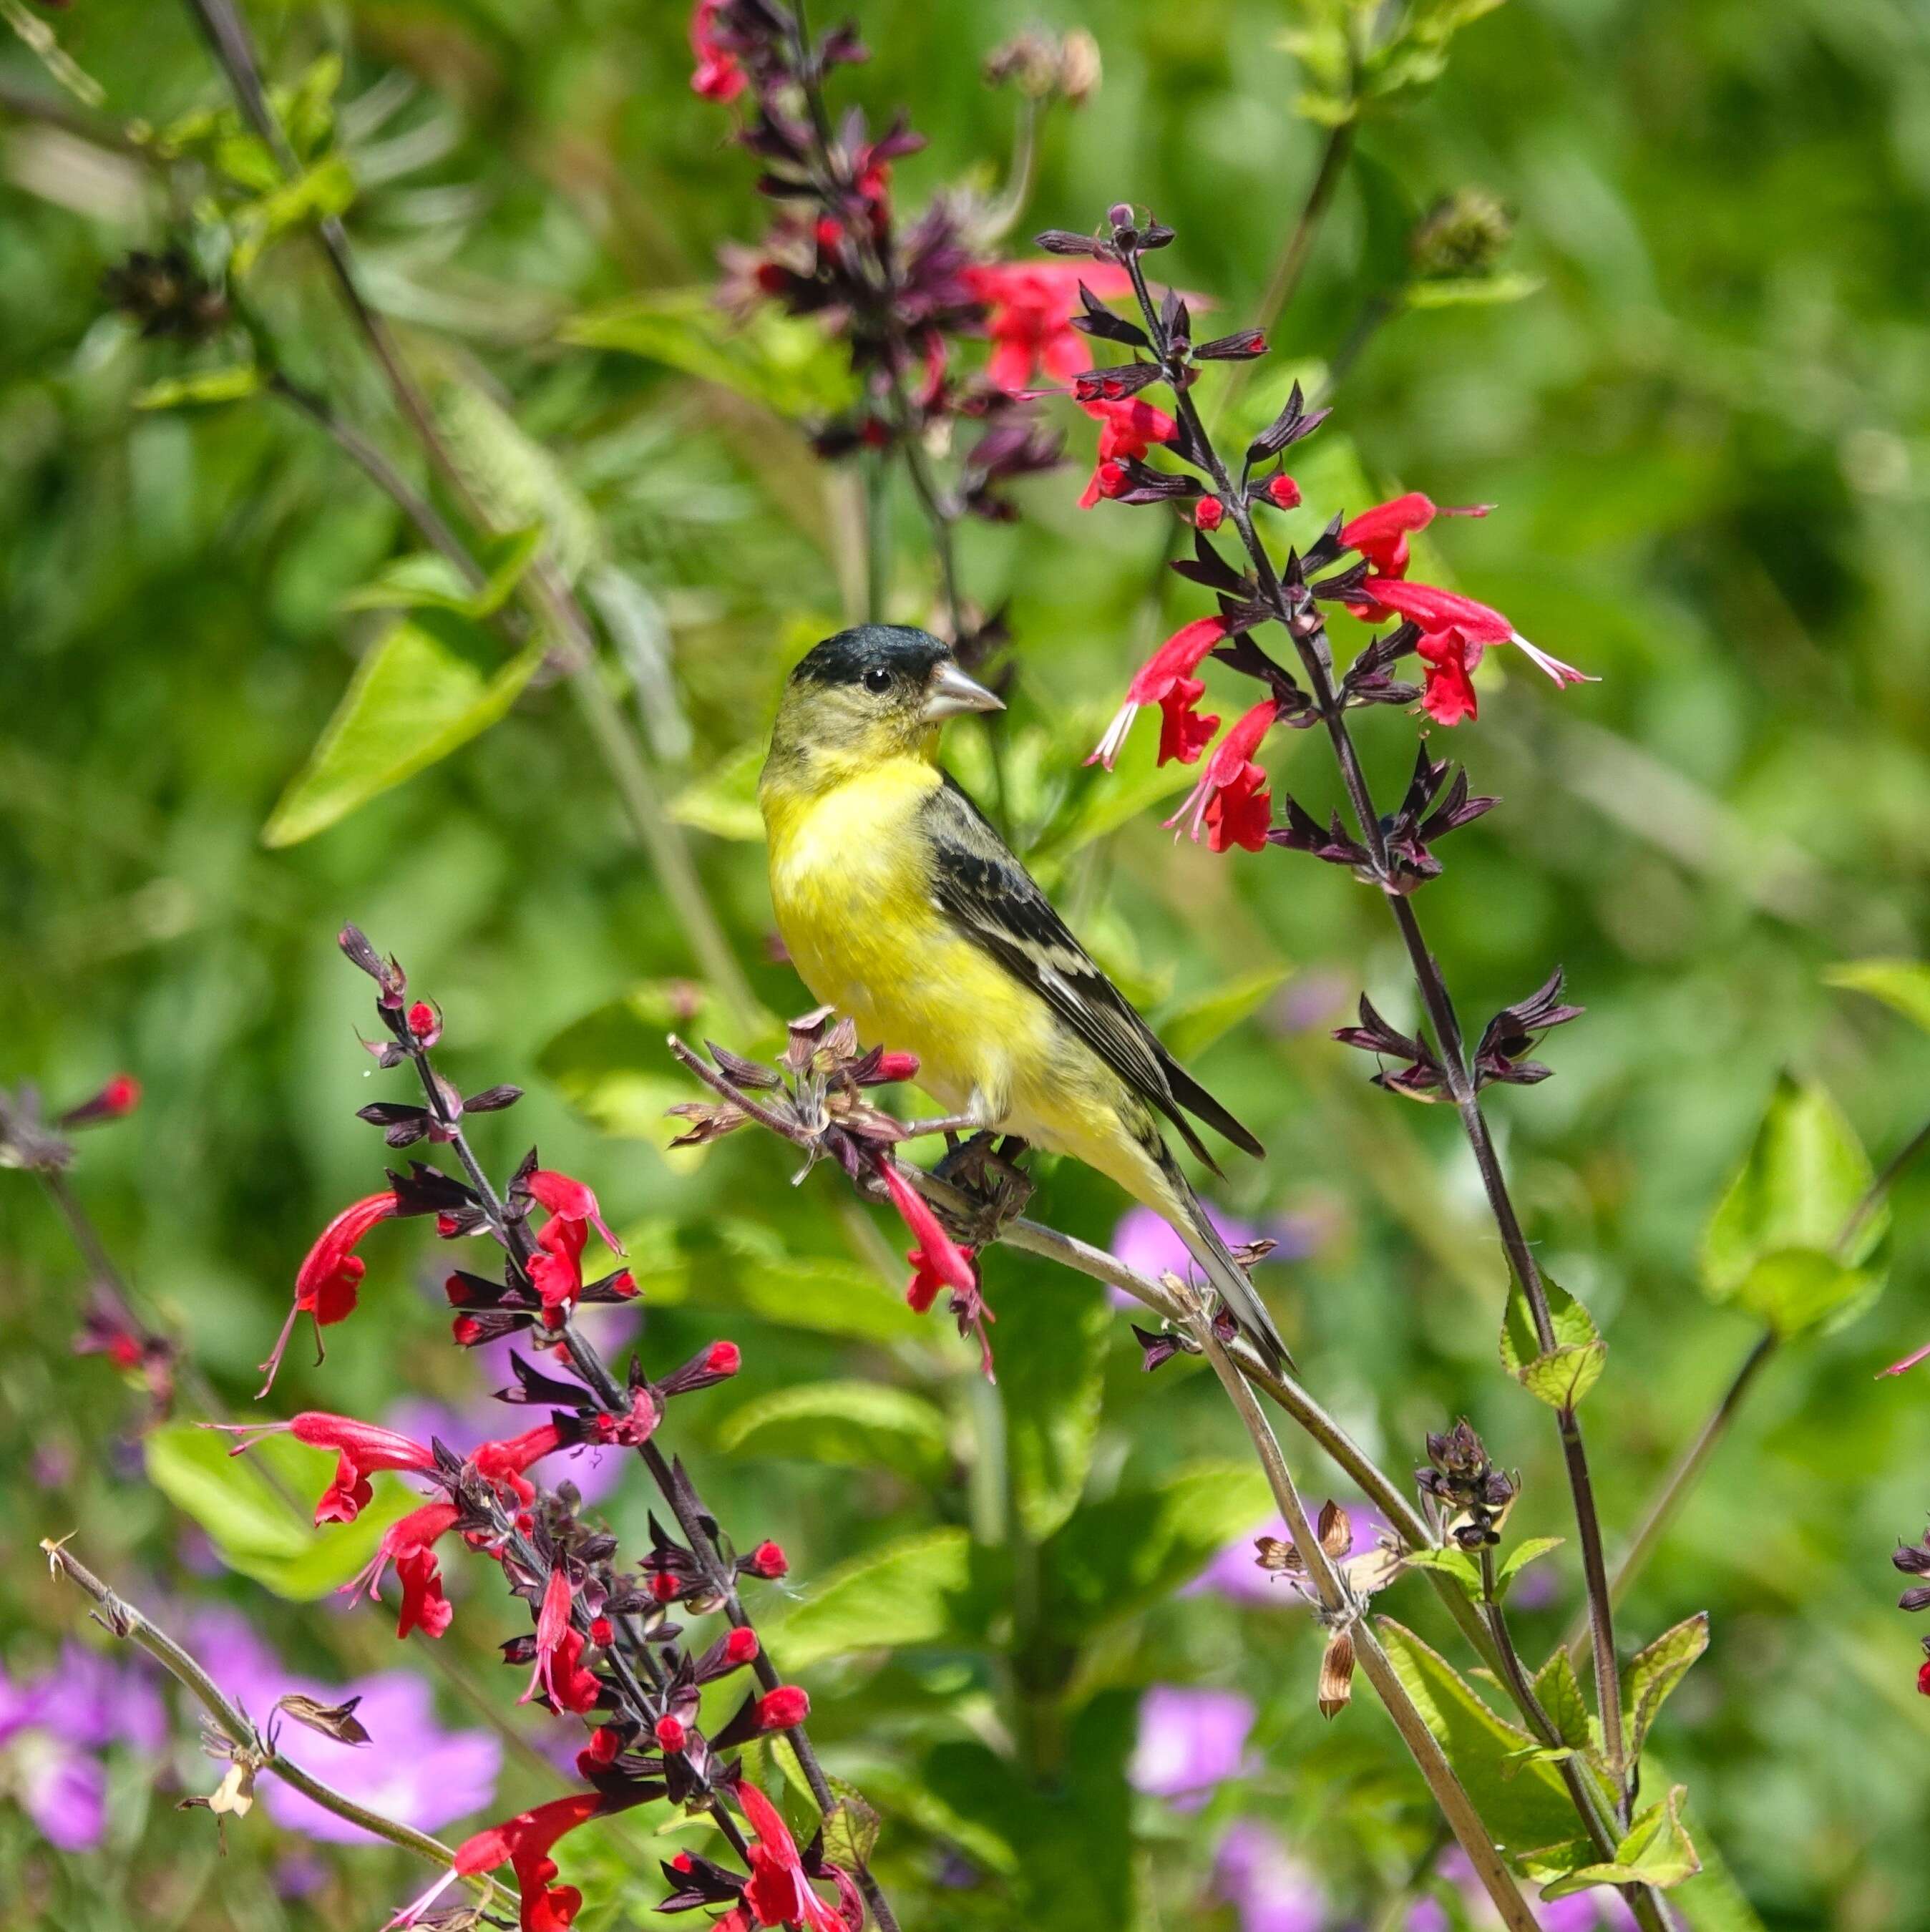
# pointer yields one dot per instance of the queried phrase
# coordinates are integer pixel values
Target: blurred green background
(1707, 429)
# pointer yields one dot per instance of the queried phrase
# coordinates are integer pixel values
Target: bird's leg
(997, 1187)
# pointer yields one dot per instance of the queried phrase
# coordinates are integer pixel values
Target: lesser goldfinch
(902, 907)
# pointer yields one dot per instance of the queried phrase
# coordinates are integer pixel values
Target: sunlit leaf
(1051, 1338)
(427, 688)
(1656, 1850)
(209, 385)
(1653, 1672)
(1190, 1026)
(862, 1425)
(1561, 1374)
(724, 801)
(915, 1590)
(1904, 984)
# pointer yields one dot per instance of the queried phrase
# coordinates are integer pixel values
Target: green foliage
(1655, 1851)
(861, 1425)
(1524, 1803)
(916, 1590)
(427, 687)
(1772, 1245)
(1052, 1334)
(248, 1505)
(1904, 984)
(1561, 1374)
(1655, 1671)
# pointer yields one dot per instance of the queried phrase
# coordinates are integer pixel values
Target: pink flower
(1189, 1740)
(331, 1273)
(1231, 803)
(717, 76)
(1128, 428)
(1032, 305)
(1455, 630)
(1166, 679)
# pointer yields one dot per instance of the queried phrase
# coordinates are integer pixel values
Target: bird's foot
(997, 1187)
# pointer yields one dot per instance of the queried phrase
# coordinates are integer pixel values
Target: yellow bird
(902, 907)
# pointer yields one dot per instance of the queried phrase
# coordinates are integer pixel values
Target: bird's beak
(950, 692)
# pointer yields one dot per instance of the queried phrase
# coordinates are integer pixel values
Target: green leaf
(613, 1065)
(1518, 1558)
(1525, 1804)
(1561, 1375)
(788, 365)
(428, 686)
(429, 581)
(1114, 1558)
(1450, 1561)
(1904, 984)
(1771, 1243)
(1655, 1672)
(1098, 802)
(724, 801)
(326, 188)
(250, 1507)
(1656, 1851)
(1189, 1026)
(209, 385)
(862, 1425)
(1051, 1341)
(825, 1296)
(1559, 1691)
(916, 1590)
(1472, 291)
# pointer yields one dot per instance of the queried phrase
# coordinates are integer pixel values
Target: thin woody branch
(123, 1619)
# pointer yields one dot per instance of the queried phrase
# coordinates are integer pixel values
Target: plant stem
(544, 587)
(124, 1620)
(1340, 1607)
(1300, 618)
(693, 1518)
(1687, 1468)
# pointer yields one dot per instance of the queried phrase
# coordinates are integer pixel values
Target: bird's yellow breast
(850, 884)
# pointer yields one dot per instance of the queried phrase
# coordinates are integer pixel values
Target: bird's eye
(878, 680)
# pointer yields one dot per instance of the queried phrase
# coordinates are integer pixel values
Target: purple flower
(90, 1699)
(1234, 1572)
(1581, 1912)
(1148, 1247)
(1270, 1888)
(1189, 1740)
(412, 1770)
(64, 1790)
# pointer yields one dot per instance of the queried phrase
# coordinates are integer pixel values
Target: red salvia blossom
(778, 1893)
(1231, 803)
(361, 1449)
(1282, 492)
(717, 76)
(943, 1255)
(524, 1843)
(1208, 514)
(1380, 534)
(559, 1674)
(117, 1098)
(767, 1560)
(1455, 630)
(1166, 679)
(503, 1463)
(326, 1283)
(1031, 307)
(926, 1281)
(1128, 430)
(409, 1545)
(783, 1708)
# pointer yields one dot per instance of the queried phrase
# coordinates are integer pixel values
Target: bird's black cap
(845, 659)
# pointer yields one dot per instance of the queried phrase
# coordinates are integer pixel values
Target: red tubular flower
(1128, 428)
(1166, 679)
(1380, 534)
(778, 1894)
(409, 1544)
(330, 1274)
(524, 1843)
(556, 1269)
(1231, 802)
(558, 1674)
(893, 1067)
(568, 1200)
(1032, 305)
(943, 1255)
(717, 76)
(926, 1280)
(361, 1448)
(503, 1463)
(1455, 632)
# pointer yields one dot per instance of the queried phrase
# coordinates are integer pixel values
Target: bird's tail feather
(1203, 1242)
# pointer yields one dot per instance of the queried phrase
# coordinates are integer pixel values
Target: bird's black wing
(977, 882)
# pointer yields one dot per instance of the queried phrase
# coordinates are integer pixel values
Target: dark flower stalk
(1450, 632)
(541, 1286)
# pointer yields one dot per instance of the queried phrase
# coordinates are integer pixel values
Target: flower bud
(670, 1732)
(1282, 492)
(767, 1560)
(425, 1024)
(1208, 514)
(783, 1709)
(741, 1646)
